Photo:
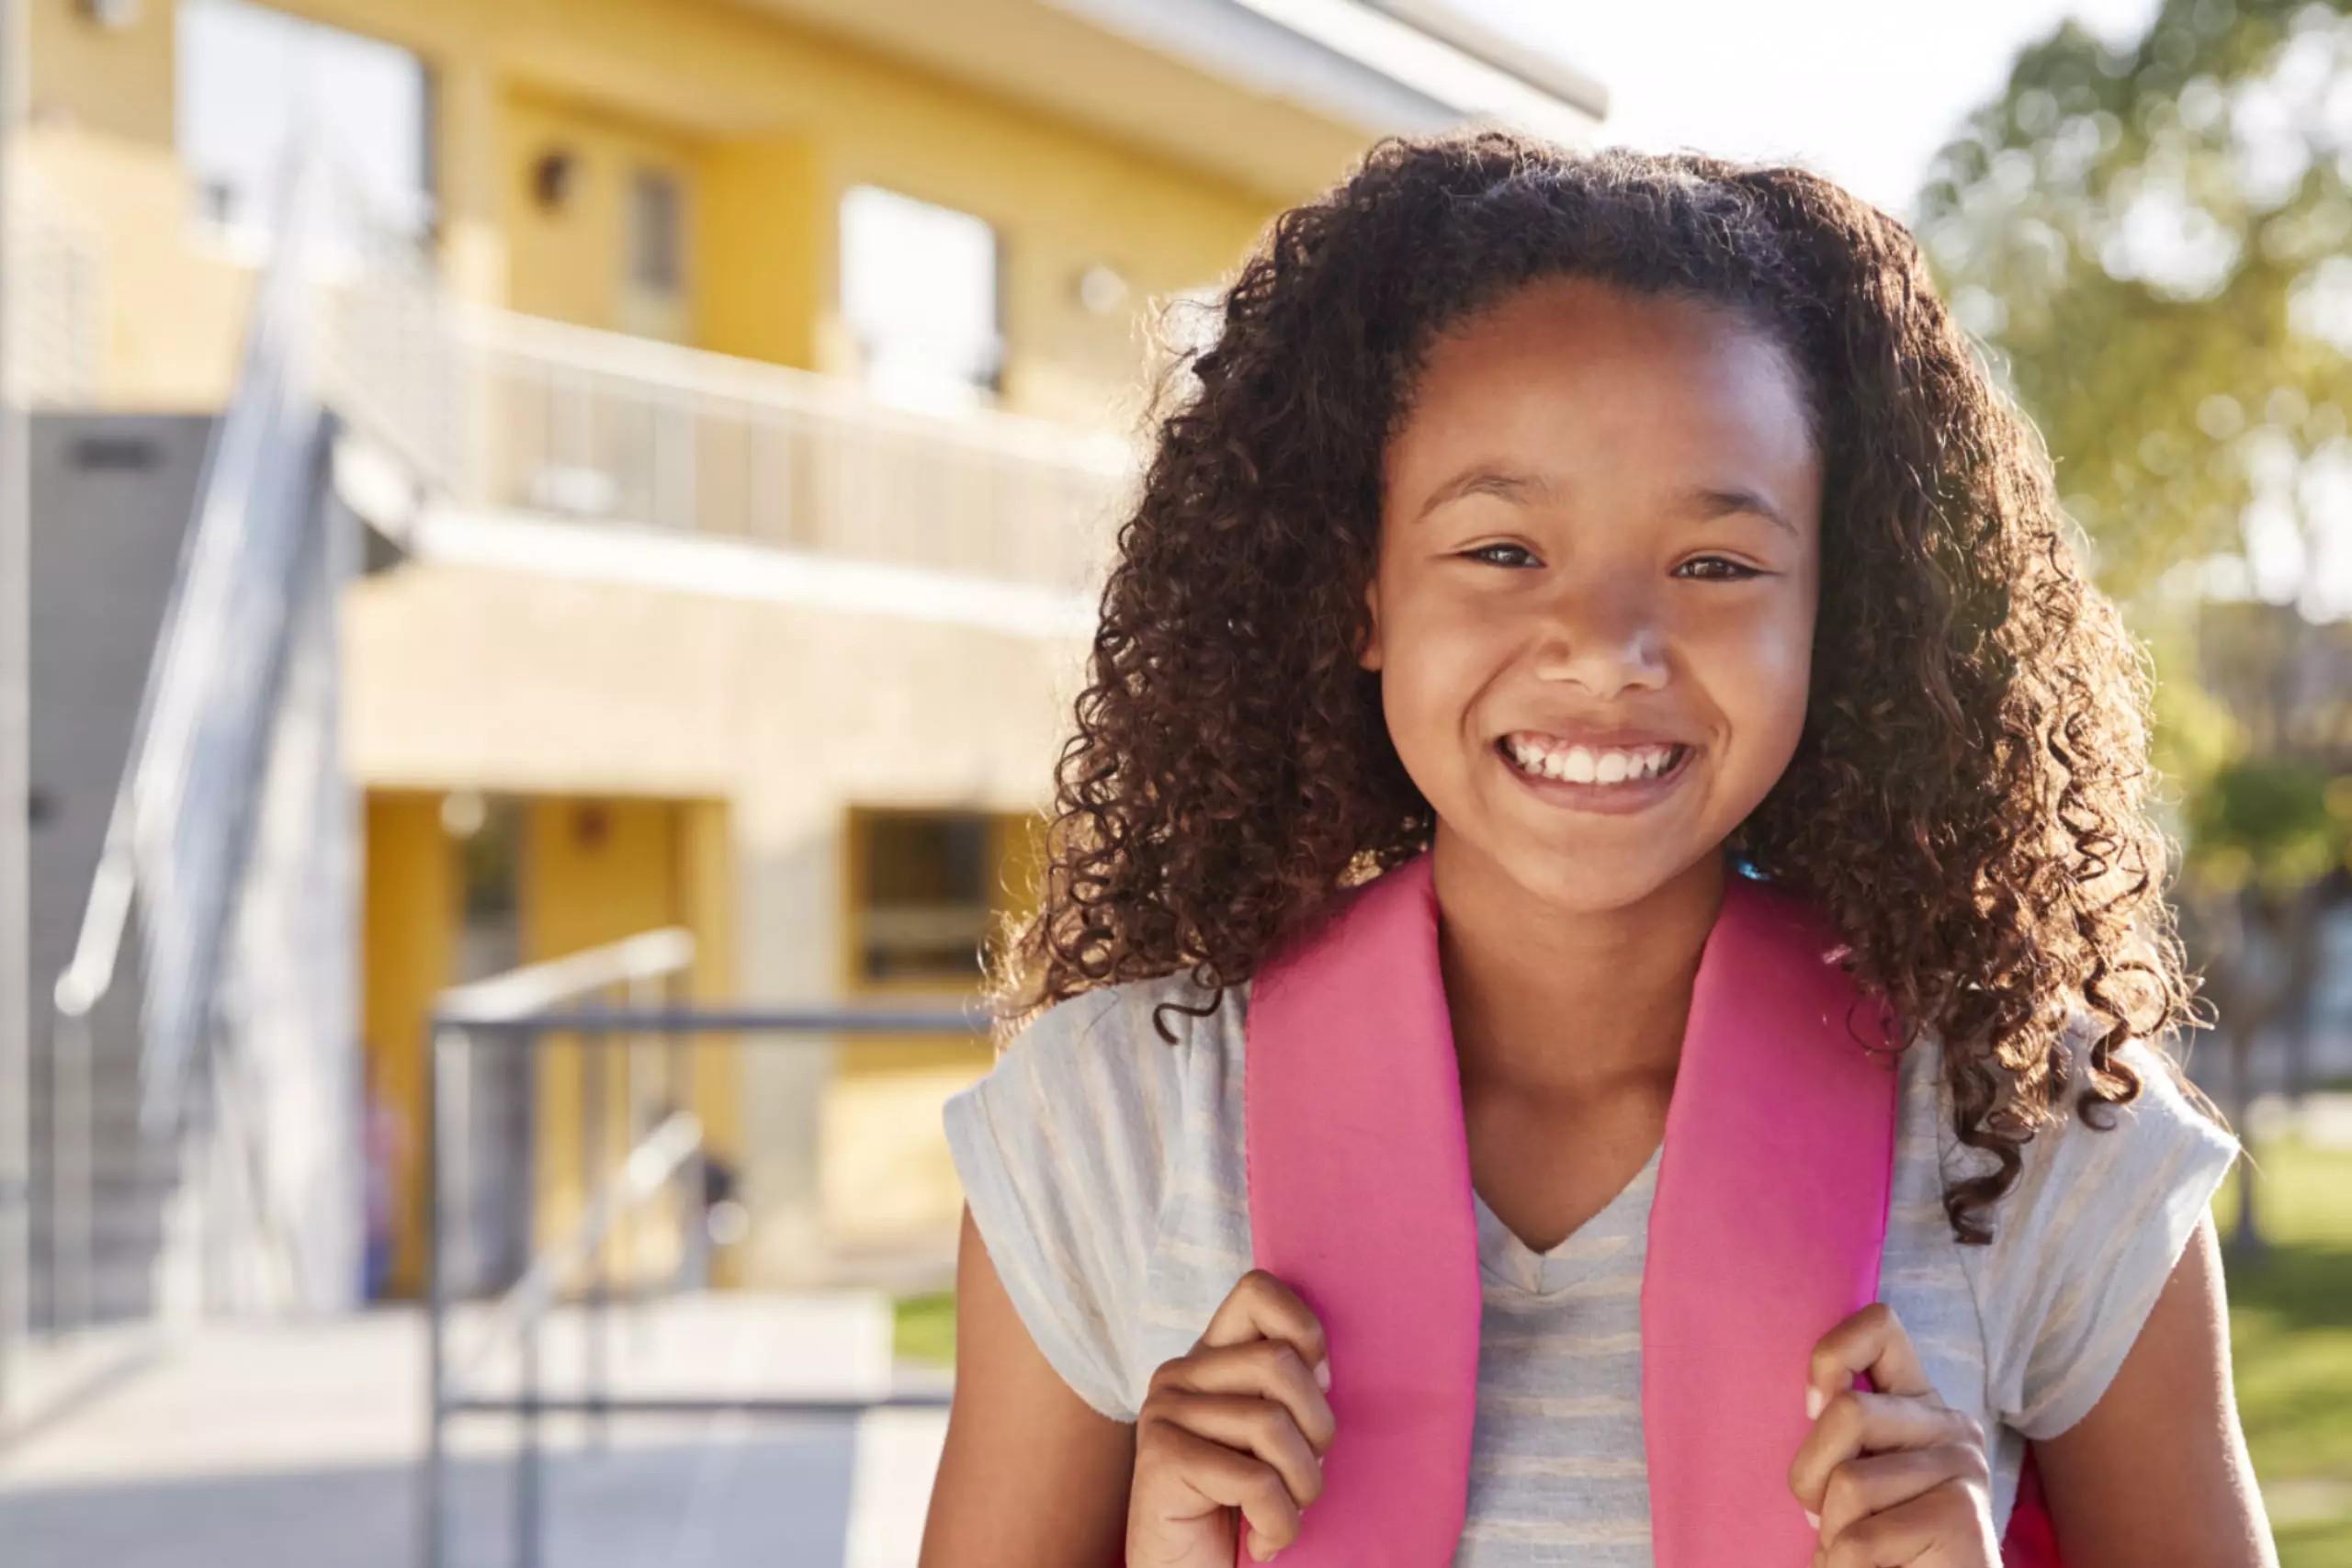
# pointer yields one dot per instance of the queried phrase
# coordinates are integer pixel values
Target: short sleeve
(2084, 1244)
(1061, 1151)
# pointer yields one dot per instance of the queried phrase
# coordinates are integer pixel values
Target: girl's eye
(1503, 554)
(1716, 569)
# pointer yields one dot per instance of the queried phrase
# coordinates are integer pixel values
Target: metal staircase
(196, 1093)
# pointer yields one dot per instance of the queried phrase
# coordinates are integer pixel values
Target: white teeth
(1582, 764)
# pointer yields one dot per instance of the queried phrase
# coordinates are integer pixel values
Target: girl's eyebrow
(1522, 488)
(1710, 502)
(1516, 486)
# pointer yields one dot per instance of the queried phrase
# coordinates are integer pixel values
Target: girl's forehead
(1583, 373)
(1577, 328)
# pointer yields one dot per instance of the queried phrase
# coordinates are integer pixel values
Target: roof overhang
(1372, 68)
(1276, 95)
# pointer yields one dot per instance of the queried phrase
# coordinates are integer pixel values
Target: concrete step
(120, 1228)
(122, 1289)
(136, 1161)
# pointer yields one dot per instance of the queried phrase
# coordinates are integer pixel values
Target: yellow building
(780, 360)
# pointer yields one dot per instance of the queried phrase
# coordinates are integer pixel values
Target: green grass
(2290, 1319)
(925, 1328)
(2291, 1343)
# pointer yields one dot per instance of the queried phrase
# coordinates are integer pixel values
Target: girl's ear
(1368, 651)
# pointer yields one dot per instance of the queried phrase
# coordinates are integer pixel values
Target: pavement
(297, 1445)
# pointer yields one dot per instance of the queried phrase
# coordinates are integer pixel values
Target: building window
(489, 839)
(490, 1128)
(926, 889)
(656, 237)
(252, 84)
(918, 293)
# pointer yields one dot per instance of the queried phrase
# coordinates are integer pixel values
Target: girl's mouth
(1623, 777)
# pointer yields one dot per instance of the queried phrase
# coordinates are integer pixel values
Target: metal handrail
(536, 1032)
(531, 990)
(157, 758)
(654, 1161)
(283, 344)
(498, 1003)
(207, 640)
(535, 987)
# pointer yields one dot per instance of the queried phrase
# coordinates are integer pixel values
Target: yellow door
(406, 925)
(583, 872)
(598, 869)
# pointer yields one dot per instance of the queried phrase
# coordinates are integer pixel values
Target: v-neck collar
(1505, 1260)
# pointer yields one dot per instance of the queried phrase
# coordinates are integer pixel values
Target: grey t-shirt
(1104, 1168)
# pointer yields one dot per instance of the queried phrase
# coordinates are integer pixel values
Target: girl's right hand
(1239, 1422)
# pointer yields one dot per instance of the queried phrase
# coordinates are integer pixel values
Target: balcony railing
(56, 324)
(495, 410)
(590, 424)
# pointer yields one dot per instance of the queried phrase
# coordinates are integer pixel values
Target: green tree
(2150, 242)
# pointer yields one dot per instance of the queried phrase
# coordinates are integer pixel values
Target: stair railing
(178, 833)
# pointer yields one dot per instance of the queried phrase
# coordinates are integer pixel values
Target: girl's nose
(1603, 636)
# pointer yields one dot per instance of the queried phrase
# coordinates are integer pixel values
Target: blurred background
(545, 547)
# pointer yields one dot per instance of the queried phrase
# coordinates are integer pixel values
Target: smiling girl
(1603, 561)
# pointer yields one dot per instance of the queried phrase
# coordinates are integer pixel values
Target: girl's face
(1593, 611)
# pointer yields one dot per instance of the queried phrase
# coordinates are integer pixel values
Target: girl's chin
(1591, 875)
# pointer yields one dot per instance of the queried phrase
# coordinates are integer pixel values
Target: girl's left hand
(1895, 1476)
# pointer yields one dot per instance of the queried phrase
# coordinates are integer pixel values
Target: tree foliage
(2151, 241)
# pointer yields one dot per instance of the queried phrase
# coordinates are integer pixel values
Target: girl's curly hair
(1967, 802)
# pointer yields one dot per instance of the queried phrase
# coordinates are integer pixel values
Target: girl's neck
(1565, 1003)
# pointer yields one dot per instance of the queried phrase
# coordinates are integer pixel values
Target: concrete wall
(785, 714)
(110, 498)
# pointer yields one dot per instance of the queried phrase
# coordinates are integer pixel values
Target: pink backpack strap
(2031, 1539)
(1767, 1228)
(1360, 1200)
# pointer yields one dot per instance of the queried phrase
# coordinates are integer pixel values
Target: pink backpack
(1360, 1200)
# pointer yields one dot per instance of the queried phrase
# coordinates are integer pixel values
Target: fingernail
(1815, 1403)
(1323, 1374)
(1813, 1518)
